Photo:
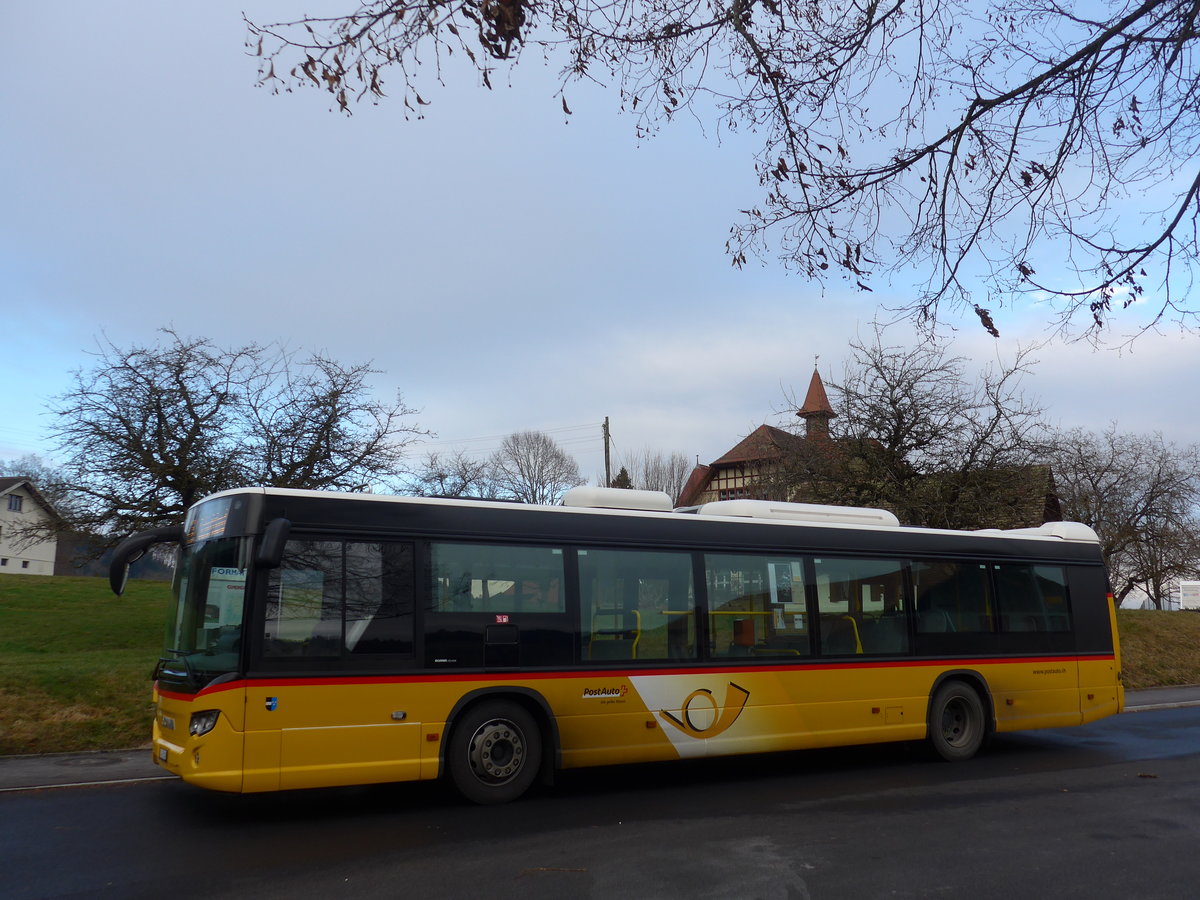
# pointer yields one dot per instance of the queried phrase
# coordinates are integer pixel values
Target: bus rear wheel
(495, 752)
(957, 725)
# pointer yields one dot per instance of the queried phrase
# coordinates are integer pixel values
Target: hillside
(1159, 648)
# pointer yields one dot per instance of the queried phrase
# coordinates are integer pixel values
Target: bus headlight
(203, 722)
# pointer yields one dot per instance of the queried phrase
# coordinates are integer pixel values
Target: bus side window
(496, 578)
(1032, 598)
(756, 606)
(329, 598)
(861, 604)
(304, 601)
(953, 597)
(379, 598)
(637, 604)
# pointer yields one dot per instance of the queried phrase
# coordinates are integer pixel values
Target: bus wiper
(181, 656)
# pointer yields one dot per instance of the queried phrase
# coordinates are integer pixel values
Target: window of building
(637, 605)
(15, 502)
(24, 564)
(4, 561)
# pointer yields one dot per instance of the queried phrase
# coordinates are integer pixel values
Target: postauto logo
(605, 693)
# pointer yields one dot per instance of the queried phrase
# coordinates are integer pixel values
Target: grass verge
(75, 661)
(1159, 648)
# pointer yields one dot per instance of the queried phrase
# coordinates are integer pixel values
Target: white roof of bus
(718, 511)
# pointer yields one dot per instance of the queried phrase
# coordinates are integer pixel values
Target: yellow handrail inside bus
(616, 637)
(854, 628)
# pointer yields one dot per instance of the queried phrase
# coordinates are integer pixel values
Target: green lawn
(75, 661)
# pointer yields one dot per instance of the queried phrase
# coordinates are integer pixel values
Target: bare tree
(531, 467)
(455, 474)
(149, 430)
(315, 424)
(1141, 495)
(653, 470)
(915, 434)
(981, 143)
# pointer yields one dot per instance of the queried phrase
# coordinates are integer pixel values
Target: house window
(3, 560)
(14, 503)
(24, 564)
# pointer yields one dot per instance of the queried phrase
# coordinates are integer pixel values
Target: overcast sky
(506, 267)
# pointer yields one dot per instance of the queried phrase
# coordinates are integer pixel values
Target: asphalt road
(1108, 810)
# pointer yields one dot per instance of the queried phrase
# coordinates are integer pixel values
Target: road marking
(75, 784)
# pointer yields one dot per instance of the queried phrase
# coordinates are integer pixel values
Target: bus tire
(495, 752)
(957, 724)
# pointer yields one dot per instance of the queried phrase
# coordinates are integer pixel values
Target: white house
(1189, 595)
(21, 506)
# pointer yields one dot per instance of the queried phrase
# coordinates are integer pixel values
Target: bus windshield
(204, 624)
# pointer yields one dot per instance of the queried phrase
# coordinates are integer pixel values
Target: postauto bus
(319, 639)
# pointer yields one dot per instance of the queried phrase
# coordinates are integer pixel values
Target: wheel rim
(496, 751)
(958, 723)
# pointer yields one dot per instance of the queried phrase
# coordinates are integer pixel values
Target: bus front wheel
(495, 752)
(957, 725)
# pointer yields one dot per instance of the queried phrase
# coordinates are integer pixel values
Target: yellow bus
(319, 639)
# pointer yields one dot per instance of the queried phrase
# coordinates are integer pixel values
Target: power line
(493, 439)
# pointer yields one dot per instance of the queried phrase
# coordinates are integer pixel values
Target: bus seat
(839, 635)
(934, 621)
(887, 634)
(615, 634)
(768, 650)
(611, 649)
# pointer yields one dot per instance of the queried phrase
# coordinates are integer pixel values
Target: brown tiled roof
(765, 442)
(1005, 497)
(693, 488)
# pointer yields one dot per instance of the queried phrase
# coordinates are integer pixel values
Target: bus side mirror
(274, 539)
(134, 548)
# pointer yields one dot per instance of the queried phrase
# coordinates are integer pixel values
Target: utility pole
(607, 462)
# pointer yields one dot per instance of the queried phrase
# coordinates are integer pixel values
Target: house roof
(1002, 497)
(766, 442)
(7, 483)
(695, 483)
(10, 483)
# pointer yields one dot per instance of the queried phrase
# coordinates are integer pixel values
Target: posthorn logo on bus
(701, 716)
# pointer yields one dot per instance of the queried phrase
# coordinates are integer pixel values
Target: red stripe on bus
(425, 678)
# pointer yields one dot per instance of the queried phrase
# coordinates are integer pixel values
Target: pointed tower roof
(816, 402)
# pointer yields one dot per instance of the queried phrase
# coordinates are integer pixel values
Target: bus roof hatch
(800, 512)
